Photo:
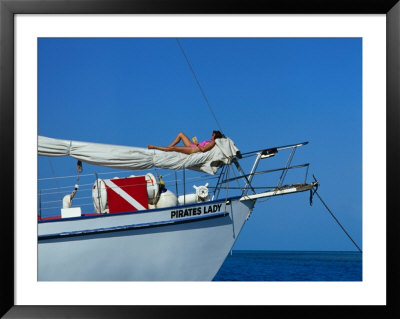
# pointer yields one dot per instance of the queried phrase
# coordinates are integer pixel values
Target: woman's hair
(218, 134)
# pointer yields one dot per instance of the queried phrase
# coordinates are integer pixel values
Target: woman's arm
(207, 147)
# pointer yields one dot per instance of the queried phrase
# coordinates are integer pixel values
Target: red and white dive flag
(127, 194)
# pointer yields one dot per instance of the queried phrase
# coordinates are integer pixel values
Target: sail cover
(137, 158)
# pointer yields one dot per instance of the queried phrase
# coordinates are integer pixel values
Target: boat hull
(184, 243)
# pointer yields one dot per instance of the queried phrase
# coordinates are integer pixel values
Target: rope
(227, 186)
(176, 183)
(237, 180)
(337, 221)
(217, 187)
(198, 83)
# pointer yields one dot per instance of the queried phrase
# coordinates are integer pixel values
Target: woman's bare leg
(154, 147)
(180, 149)
(184, 149)
(181, 137)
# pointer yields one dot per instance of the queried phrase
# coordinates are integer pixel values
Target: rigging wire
(198, 83)
(74, 176)
(337, 221)
(237, 180)
(192, 179)
(75, 199)
(58, 207)
(54, 175)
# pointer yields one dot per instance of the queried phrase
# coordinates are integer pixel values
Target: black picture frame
(8, 8)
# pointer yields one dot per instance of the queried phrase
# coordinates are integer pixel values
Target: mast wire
(337, 221)
(54, 176)
(198, 83)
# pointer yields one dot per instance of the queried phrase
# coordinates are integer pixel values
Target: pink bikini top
(202, 144)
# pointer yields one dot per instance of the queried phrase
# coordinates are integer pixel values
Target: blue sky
(265, 92)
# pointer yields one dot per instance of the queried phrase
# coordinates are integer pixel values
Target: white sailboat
(143, 232)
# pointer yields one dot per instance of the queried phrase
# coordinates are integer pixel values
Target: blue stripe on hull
(129, 227)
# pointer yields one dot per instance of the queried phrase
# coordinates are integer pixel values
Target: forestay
(137, 158)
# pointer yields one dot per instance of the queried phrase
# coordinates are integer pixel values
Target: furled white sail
(137, 158)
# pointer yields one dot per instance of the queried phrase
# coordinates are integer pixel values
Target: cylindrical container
(100, 196)
(167, 199)
(152, 188)
(187, 199)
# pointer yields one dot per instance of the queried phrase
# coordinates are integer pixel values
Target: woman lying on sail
(190, 147)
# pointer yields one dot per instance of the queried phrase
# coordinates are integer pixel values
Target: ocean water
(243, 265)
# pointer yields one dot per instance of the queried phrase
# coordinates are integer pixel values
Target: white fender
(100, 197)
(167, 199)
(152, 188)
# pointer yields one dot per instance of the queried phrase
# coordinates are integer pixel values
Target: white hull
(154, 245)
